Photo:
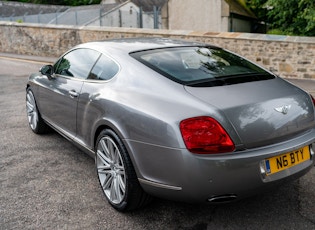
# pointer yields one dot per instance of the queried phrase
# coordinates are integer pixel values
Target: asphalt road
(47, 183)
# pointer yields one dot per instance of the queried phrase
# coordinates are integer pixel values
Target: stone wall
(288, 56)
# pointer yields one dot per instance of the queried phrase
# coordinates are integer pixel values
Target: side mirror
(47, 70)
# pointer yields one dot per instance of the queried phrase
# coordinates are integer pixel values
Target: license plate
(287, 160)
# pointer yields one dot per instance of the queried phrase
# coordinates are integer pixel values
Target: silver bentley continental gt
(178, 120)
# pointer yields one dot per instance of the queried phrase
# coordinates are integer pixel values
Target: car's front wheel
(116, 174)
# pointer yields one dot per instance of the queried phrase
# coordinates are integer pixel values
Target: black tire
(116, 173)
(35, 121)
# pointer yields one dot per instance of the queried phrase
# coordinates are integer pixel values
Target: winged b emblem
(283, 109)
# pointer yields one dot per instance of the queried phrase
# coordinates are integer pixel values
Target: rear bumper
(180, 175)
(219, 191)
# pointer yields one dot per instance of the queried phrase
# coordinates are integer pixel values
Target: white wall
(196, 15)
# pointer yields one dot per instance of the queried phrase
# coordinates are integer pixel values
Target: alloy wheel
(111, 170)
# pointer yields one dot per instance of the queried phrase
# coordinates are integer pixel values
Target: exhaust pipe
(222, 198)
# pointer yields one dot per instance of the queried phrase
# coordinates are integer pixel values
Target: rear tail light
(204, 135)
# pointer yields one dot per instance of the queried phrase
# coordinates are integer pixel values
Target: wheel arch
(107, 124)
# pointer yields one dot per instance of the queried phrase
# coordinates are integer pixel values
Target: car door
(60, 95)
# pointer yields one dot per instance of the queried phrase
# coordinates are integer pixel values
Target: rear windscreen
(202, 66)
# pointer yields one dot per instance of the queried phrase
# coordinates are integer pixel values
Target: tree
(291, 17)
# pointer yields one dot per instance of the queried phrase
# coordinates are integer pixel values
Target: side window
(77, 63)
(104, 69)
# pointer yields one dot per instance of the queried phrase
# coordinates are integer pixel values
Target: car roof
(129, 45)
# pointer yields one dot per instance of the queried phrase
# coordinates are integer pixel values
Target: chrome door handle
(73, 93)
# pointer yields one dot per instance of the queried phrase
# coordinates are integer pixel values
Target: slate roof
(147, 5)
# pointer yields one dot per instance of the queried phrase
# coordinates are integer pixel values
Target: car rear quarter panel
(141, 105)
